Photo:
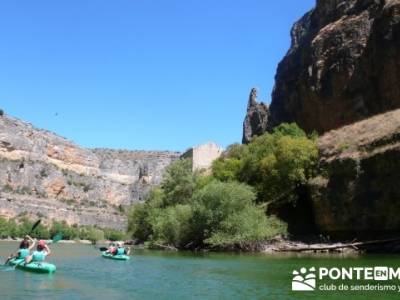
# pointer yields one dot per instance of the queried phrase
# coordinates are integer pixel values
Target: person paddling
(121, 250)
(25, 247)
(40, 254)
(112, 249)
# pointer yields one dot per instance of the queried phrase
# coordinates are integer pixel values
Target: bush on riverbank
(10, 228)
(225, 216)
(227, 209)
(189, 211)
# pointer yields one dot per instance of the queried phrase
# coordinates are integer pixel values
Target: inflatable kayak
(116, 257)
(15, 261)
(36, 267)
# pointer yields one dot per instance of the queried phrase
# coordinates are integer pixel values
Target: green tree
(4, 228)
(227, 210)
(246, 229)
(68, 232)
(13, 229)
(24, 227)
(291, 129)
(139, 223)
(171, 226)
(90, 233)
(179, 182)
(276, 164)
(225, 215)
(229, 166)
(41, 232)
(114, 235)
(84, 233)
(146, 220)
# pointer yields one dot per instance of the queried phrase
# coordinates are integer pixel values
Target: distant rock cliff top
(343, 65)
(43, 173)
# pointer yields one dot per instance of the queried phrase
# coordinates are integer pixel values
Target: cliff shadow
(299, 215)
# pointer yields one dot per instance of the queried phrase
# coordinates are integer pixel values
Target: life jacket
(22, 253)
(121, 251)
(39, 255)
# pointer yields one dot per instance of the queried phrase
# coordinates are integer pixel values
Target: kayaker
(121, 250)
(42, 250)
(112, 249)
(25, 247)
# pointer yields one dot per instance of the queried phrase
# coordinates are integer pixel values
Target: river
(83, 274)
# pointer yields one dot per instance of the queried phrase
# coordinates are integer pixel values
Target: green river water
(83, 274)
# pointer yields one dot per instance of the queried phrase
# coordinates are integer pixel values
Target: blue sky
(148, 74)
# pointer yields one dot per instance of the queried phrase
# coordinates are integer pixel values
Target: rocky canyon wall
(343, 66)
(358, 195)
(43, 174)
(341, 78)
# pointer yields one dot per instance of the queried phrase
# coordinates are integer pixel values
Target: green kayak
(116, 257)
(36, 267)
(15, 261)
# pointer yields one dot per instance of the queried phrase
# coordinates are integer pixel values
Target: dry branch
(354, 245)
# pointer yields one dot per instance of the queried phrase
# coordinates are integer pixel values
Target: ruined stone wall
(203, 156)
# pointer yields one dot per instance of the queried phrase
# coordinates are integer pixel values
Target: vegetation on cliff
(227, 209)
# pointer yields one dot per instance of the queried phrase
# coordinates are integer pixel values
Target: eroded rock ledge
(359, 195)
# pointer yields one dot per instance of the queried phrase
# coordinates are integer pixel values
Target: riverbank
(280, 245)
(390, 245)
(84, 242)
(273, 246)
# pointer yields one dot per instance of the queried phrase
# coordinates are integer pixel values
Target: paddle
(36, 224)
(102, 249)
(58, 237)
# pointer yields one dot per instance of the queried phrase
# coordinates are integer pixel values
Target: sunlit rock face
(343, 66)
(256, 120)
(43, 174)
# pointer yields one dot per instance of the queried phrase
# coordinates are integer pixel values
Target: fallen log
(354, 245)
(167, 247)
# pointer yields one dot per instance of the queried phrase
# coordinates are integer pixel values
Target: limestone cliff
(43, 174)
(341, 78)
(359, 195)
(343, 65)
